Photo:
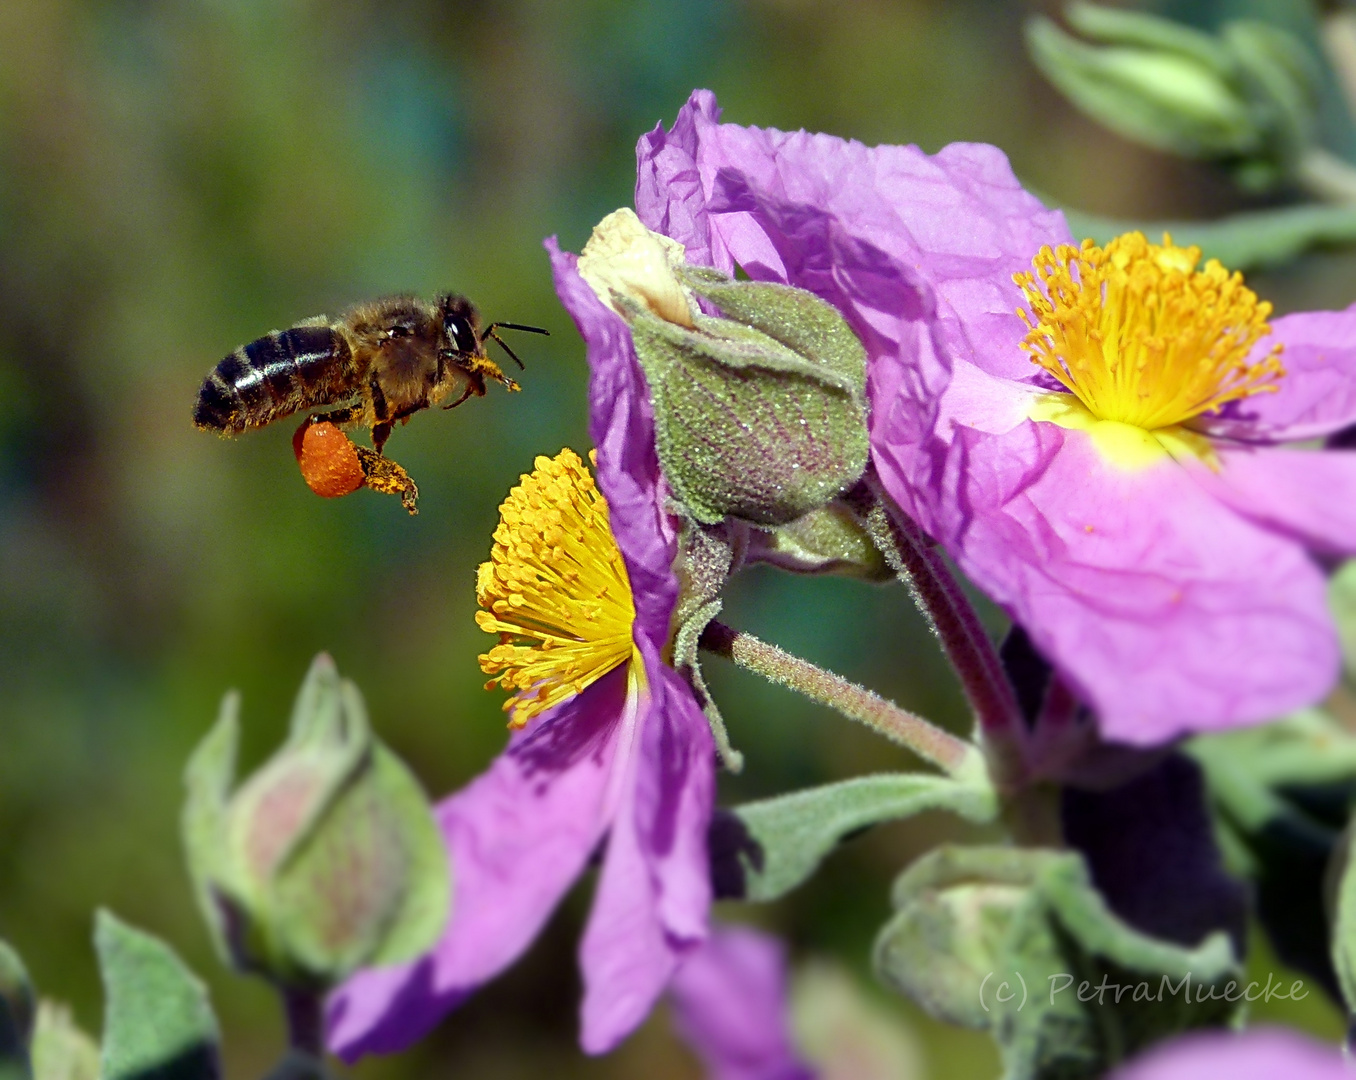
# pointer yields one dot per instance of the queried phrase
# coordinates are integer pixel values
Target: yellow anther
(1140, 335)
(555, 590)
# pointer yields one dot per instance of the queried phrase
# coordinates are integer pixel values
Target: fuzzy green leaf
(767, 848)
(158, 1023)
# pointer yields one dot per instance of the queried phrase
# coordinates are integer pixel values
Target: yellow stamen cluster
(555, 590)
(1140, 335)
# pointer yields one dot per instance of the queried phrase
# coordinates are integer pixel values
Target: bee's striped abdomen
(273, 377)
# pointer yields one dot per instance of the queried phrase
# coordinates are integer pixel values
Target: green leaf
(158, 1024)
(1246, 769)
(1019, 942)
(765, 849)
(1241, 242)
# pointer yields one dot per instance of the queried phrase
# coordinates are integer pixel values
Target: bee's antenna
(512, 326)
(489, 332)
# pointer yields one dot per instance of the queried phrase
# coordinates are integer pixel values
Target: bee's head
(461, 325)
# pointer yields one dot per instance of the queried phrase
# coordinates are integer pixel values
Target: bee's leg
(380, 433)
(403, 415)
(483, 366)
(476, 385)
(338, 417)
(384, 475)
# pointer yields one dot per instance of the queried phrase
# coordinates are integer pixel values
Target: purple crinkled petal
(1307, 495)
(675, 795)
(670, 189)
(625, 955)
(1261, 1054)
(729, 1004)
(654, 892)
(1164, 609)
(622, 427)
(518, 836)
(1316, 396)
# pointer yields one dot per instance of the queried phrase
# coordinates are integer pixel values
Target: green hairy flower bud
(994, 938)
(1247, 97)
(61, 1050)
(326, 859)
(760, 414)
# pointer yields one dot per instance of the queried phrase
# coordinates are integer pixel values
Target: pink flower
(1160, 558)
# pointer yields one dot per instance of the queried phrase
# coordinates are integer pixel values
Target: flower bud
(61, 1050)
(326, 859)
(1182, 100)
(625, 258)
(988, 937)
(1247, 98)
(760, 415)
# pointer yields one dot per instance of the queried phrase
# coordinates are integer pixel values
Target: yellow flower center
(1140, 335)
(555, 590)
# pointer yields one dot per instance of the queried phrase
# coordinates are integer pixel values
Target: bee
(378, 364)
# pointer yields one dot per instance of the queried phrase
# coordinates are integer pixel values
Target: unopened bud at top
(760, 414)
(1246, 97)
(327, 858)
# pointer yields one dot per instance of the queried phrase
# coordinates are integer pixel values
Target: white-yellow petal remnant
(625, 258)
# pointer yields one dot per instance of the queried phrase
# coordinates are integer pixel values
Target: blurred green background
(178, 178)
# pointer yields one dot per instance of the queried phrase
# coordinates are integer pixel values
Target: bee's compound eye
(460, 334)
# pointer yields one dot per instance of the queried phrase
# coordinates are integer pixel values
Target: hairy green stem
(924, 738)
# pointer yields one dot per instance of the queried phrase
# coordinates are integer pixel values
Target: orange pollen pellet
(328, 459)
